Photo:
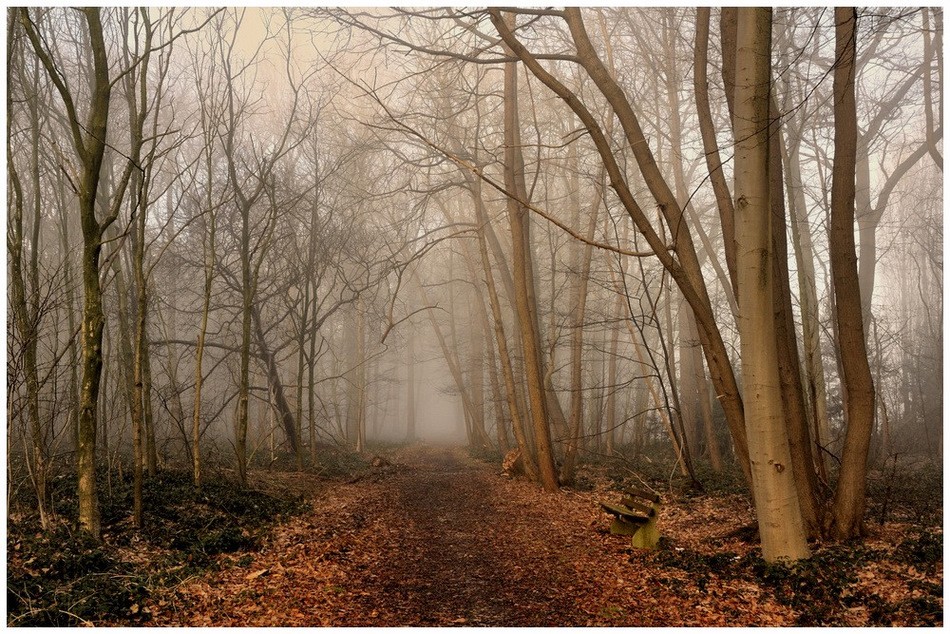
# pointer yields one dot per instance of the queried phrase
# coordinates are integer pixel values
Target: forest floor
(435, 537)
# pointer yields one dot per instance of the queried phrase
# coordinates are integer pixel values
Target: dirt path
(440, 539)
(444, 541)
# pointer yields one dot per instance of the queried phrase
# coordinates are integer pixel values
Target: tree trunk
(208, 245)
(516, 405)
(711, 145)
(411, 388)
(581, 277)
(781, 525)
(356, 379)
(847, 514)
(808, 302)
(524, 279)
(476, 381)
(89, 141)
(139, 203)
(244, 376)
(684, 268)
(796, 419)
(275, 385)
(789, 364)
(151, 449)
(491, 363)
(610, 406)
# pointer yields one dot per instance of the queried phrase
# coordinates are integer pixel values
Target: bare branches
(479, 172)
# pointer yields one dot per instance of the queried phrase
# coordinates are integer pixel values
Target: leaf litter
(435, 537)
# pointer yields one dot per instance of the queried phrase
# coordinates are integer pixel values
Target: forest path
(439, 538)
(442, 531)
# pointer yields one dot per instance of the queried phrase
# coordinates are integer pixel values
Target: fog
(238, 236)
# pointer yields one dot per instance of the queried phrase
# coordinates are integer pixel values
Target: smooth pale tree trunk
(615, 315)
(847, 515)
(781, 526)
(559, 423)
(689, 388)
(796, 419)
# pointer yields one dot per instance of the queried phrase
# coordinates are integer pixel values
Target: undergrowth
(63, 578)
(822, 588)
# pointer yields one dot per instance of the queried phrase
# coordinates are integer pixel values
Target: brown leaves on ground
(441, 539)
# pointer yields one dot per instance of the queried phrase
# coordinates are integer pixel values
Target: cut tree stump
(636, 515)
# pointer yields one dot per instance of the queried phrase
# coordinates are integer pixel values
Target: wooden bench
(636, 515)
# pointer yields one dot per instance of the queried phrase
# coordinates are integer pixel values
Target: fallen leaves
(440, 539)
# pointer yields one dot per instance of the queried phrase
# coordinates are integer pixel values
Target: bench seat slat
(625, 513)
(643, 494)
(637, 507)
